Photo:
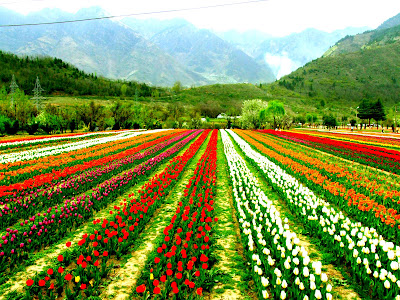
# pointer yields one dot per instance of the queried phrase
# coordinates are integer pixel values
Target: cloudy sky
(276, 17)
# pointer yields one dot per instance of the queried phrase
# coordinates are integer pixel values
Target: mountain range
(362, 66)
(162, 52)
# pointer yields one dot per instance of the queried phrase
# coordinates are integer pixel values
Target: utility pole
(37, 93)
(395, 123)
(13, 89)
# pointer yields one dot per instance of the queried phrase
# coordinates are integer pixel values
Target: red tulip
(141, 289)
(68, 277)
(60, 270)
(60, 258)
(199, 291)
(50, 272)
(157, 290)
(83, 286)
(68, 244)
(29, 282)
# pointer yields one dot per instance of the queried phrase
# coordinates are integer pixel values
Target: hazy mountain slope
(104, 47)
(392, 22)
(286, 54)
(202, 51)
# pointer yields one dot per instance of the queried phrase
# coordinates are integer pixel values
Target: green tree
(309, 118)
(365, 110)
(378, 111)
(177, 88)
(3, 93)
(124, 87)
(276, 109)
(251, 113)
(329, 121)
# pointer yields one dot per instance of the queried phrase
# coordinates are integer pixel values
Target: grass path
(39, 261)
(125, 278)
(229, 251)
(341, 289)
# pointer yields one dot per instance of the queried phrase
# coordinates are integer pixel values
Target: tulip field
(200, 214)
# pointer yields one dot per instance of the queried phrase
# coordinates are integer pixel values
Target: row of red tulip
(181, 264)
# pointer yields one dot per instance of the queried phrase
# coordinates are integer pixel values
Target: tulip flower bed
(24, 205)
(385, 219)
(80, 271)
(378, 205)
(370, 183)
(358, 137)
(373, 261)
(281, 267)
(78, 164)
(137, 246)
(54, 150)
(18, 171)
(20, 143)
(46, 228)
(23, 144)
(378, 157)
(180, 267)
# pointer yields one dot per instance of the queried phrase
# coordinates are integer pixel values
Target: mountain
(247, 41)
(202, 51)
(364, 66)
(392, 22)
(105, 47)
(286, 54)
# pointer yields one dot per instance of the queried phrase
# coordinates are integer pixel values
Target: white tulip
(387, 284)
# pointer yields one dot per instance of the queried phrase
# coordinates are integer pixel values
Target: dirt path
(230, 251)
(340, 288)
(43, 258)
(124, 279)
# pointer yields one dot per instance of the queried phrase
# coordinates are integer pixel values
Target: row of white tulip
(54, 138)
(374, 261)
(57, 149)
(282, 268)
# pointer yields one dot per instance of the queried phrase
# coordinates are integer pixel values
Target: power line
(18, 2)
(137, 14)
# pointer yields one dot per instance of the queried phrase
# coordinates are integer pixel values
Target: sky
(275, 17)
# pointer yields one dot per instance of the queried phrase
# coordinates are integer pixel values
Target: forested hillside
(58, 77)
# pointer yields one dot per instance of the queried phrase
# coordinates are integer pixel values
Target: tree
(3, 93)
(177, 87)
(276, 109)
(309, 118)
(251, 113)
(121, 114)
(365, 110)
(329, 121)
(378, 111)
(124, 87)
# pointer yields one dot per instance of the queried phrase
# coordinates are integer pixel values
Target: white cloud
(276, 17)
(281, 65)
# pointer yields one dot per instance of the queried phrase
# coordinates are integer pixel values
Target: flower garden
(200, 214)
